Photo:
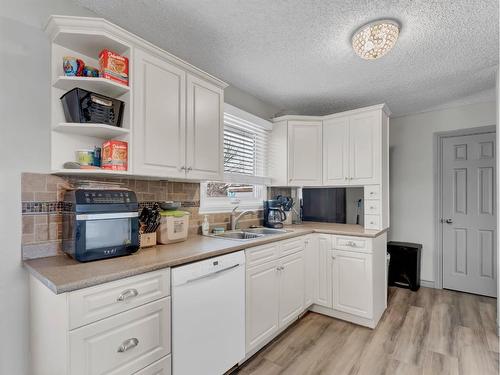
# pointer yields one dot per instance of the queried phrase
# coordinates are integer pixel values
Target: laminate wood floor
(429, 332)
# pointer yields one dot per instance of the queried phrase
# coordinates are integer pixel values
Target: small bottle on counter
(205, 227)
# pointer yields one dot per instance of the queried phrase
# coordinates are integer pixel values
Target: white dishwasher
(208, 315)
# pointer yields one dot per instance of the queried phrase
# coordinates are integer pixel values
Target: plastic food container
(173, 227)
(85, 157)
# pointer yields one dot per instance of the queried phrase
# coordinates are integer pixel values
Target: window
(246, 139)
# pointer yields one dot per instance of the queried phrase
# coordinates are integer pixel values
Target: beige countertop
(63, 274)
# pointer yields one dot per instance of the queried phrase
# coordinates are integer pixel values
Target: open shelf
(102, 86)
(91, 130)
(89, 172)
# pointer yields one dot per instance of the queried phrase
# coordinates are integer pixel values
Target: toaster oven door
(107, 235)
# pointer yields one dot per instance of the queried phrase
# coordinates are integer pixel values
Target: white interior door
(468, 207)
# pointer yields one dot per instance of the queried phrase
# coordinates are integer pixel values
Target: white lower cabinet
(291, 295)
(323, 295)
(352, 283)
(275, 292)
(310, 266)
(122, 344)
(161, 367)
(262, 306)
(117, 328)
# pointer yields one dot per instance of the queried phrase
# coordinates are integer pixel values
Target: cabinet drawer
(122, 344)
(372, 222)
(372, 192)
(372, 207)
(352, 243)
(294, 245)
(261, 254)
(92, 304)
(161, 367)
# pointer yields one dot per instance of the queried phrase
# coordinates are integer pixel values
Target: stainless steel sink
(238, 235)
(248, 234)
(264, 231)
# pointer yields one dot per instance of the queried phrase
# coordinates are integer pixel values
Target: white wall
(412, 172)
(24, 146)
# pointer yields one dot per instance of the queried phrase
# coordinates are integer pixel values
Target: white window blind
(246, 145)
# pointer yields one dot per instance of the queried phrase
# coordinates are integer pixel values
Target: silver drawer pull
(126, 294)
(351, 243)
(128, 344)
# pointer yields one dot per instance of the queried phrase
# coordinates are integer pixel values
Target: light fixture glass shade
(375, 39)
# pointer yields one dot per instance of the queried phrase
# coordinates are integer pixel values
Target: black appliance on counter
(404, 266)
(99, 224)
(82, 106)
(324, 205)
(274, 215)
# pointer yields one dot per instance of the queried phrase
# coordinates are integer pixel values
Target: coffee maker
(274, 215)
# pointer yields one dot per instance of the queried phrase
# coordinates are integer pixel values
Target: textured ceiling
(296, 54)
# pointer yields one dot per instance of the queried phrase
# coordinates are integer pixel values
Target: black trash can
(404, 266)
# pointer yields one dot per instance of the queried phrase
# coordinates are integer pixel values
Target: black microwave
(100, 224)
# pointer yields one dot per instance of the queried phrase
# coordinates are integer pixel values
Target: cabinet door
(336, 151)
(352, 283)
(311, 268)
(262, 304)
(365, 148)
(160, 117)
(291, 288)
(324, 271)
(305, 154)
(205, 130)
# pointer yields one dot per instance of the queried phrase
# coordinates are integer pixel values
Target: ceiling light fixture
(375, 39)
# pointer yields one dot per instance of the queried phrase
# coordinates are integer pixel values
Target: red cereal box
(113, 66)
(114, 155)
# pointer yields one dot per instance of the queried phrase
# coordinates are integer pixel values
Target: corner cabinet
(178, 126)
(352, 149)
(304, 153)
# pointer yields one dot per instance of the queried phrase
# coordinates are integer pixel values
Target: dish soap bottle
(205, 227)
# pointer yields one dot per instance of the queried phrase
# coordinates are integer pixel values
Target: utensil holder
(147, 239)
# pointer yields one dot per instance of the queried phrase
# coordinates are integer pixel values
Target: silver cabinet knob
(126, 294)
(448, 221)
(128, 344)
(189, 169)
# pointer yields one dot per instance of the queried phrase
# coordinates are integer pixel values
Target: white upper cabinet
(352, 147)
(205, 130)
(365, 134)
(336, 151)
(160, 123)
(342, 149)
(305, 156)
(178, 128)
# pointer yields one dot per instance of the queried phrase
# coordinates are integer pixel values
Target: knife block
(147, 239)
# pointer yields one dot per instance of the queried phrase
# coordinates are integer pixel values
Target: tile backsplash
(42, 204)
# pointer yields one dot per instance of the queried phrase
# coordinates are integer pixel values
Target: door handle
(448, 221)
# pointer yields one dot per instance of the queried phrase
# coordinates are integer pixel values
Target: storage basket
(174, 227)
(82, 106)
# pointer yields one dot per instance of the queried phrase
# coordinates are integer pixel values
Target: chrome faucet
(235, 218)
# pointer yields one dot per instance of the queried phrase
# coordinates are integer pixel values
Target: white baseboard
(427, 283)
